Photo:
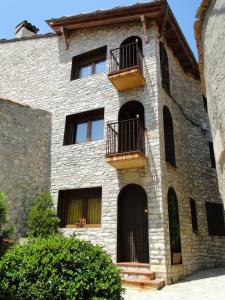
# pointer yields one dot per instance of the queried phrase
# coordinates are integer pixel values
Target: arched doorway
(174, 227)
(132, 234)
(129, 52)
(131, 127)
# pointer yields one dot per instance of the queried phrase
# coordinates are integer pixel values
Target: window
(89, 63)
(164, 68)
(212, 156)
(80, 204)
(84, 127)
(194, 216)
(169, 137)
(215, 219)
(174, 226)
(205, 104)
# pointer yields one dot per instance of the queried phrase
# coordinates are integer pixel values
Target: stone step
(134, 266)
(137, 274)
(144, 284)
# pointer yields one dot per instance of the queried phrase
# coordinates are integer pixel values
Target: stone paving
(204, 285)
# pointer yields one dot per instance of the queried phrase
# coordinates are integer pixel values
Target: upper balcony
(126, 67)
(125, 145)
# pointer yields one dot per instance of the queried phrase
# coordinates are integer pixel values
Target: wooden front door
(132, 241)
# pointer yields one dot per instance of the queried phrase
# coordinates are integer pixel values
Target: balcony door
(131, 127)
(132, 237)
(129, 52)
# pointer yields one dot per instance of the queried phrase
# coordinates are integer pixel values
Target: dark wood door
(132, 225)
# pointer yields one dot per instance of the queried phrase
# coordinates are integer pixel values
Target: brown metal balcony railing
(125, 137)
(125, 58)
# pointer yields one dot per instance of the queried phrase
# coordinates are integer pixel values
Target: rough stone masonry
(36, 72)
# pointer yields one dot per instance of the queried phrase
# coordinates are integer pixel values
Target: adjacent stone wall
(193, 176)
(24, 157)
(213, 42)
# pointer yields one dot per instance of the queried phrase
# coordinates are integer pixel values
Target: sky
(12, 12)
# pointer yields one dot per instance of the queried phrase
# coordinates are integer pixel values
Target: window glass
(100, 66)
(97, 130)
(84, 127)
(74, 205)
(85, 70)
(81, 132)
(215, 219)
(194, 216)
(169, 137)
(75, 211)
(212, 156)
(94, 211)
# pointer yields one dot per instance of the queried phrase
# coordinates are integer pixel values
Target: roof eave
(153, 11)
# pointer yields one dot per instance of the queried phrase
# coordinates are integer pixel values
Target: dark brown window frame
(169, 140)
(194, 218)
(164, 66)
(212, 155)
(84, 193)
(73, 120)
(91, 57)
(215, 221)
(205, 103)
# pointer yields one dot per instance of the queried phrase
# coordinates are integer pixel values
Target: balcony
(126, 67)
(125, 145)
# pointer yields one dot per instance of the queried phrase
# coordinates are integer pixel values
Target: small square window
(205, 104)
(215, 219)
(89, 63)
(194, 216)
(80, 204)
(212, 156)
(84, 127)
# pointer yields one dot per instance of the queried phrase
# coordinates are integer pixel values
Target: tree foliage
(57, 268)
(5, 228)
(42, 218)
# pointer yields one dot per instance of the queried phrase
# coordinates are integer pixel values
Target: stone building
(130, 160)
(24, 157)
(210, 37)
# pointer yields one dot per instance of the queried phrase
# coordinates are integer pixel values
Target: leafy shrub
(59, 268)
(42, 218)
(5, 228)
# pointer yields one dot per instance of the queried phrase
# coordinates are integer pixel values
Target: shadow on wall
(215, 272)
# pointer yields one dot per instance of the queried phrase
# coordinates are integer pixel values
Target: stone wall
(213, 41)
(24, 157)
(193, 176)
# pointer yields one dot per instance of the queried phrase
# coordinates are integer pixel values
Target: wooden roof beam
(78, 24)
(144, 24)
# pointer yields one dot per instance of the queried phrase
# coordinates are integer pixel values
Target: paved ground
(205, 285)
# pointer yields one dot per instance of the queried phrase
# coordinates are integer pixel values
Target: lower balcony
(125, 146)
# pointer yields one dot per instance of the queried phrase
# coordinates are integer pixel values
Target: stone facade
(210, 41)
(24, 157)
(37, 72)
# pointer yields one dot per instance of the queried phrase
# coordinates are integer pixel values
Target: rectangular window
(205, 103)
(80, 206)
(84, 127)
(212, 156)
(215, 219)
(194, 216)
(89, 63)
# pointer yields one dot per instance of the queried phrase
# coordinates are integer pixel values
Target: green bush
(5, 228)
(42, 218)
(59, 268)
